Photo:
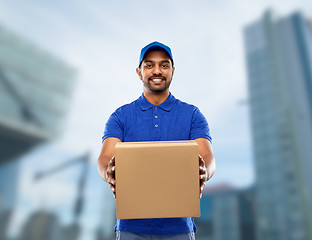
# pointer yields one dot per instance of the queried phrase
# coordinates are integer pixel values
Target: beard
(156, 90)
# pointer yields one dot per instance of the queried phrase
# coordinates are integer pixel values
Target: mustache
(157, 76)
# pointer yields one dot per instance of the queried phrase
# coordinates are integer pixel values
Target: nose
(157, 70)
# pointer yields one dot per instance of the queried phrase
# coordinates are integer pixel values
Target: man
(156, 116)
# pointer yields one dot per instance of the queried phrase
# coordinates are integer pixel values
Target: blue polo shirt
(170, 121)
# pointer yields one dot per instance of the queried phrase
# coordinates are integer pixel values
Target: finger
(202, 183)
(111, 162)
(111, 181)
(201, 161)
(203, 177)
(202, 170)
(108, 175)
(111, 172)
(201, 192)
(113, 189)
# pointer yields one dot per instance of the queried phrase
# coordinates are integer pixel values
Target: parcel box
(157, 180)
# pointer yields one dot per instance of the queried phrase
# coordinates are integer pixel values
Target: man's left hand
(203, 174)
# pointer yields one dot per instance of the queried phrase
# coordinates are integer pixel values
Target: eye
(148, 65)
(165, 65)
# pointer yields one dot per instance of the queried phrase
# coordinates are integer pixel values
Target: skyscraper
(41, 225)
(8, 194)
(35, 92)
(227, 213)
(279, 63)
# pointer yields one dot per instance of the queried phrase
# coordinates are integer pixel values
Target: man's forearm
(210, 166)
(205, 151)
(102, 168)
(107, 153)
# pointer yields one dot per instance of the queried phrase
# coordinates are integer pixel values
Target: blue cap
(155, 46)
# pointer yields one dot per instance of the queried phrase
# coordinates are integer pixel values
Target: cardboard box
(157, 180)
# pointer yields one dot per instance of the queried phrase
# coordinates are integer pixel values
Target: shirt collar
(166, 105)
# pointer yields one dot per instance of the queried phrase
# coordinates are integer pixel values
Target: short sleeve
(113, 128)
(200, 127)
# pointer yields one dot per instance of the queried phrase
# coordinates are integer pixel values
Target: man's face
(156, 71)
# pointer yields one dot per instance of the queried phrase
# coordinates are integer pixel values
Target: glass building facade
(35, 93)
(278, 56)
(227, 214)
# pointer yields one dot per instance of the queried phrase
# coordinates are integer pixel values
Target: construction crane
(72, 231)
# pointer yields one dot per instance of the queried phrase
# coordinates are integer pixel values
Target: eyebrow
(163, 61)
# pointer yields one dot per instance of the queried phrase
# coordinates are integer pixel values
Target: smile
(157, 80)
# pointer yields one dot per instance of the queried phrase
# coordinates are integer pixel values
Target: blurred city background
(65, 66)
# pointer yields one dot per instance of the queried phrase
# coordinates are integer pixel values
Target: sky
(102, 41)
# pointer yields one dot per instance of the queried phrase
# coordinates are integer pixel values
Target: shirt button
(155, 108)
(156, 116)
(156, 125)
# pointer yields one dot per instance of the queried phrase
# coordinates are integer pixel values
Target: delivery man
(156, 116)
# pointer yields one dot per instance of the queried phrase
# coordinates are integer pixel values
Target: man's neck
(156, 98)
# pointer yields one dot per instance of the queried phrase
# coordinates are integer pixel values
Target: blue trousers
(121, 235)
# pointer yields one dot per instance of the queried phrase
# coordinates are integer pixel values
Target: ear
(138, 71)
(173, 68)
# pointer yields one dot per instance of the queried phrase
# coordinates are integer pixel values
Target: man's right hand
(106, 162)
(110, 175)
